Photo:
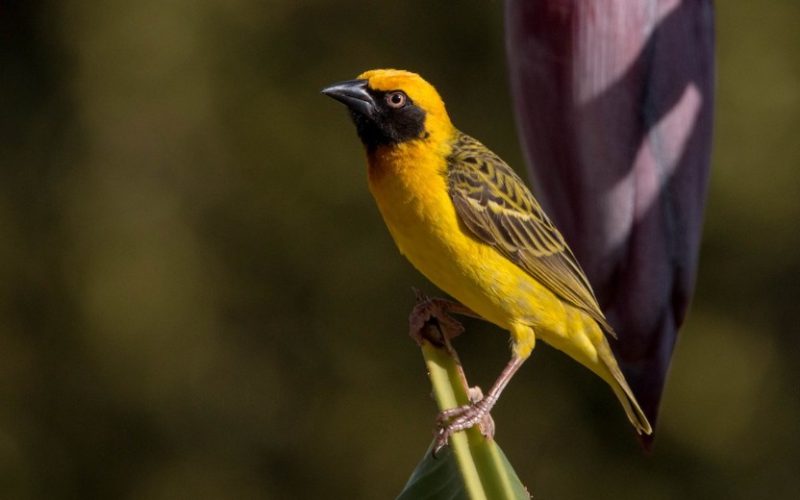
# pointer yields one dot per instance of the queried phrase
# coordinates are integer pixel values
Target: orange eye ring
(396, 99)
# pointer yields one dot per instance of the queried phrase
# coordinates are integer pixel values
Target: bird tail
(623, 391)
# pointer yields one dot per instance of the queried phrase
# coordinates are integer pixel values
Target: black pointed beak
(353, 94)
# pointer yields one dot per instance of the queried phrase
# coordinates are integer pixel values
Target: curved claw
(464, 417)
(442, 437)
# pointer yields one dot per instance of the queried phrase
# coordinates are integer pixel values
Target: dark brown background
(198, 298)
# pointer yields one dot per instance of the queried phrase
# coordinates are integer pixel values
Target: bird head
(391, 107)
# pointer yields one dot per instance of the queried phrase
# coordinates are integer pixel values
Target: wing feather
(494, 204)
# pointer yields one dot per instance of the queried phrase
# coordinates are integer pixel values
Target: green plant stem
(484, 469)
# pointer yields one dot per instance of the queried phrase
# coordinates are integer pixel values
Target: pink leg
(464, 417)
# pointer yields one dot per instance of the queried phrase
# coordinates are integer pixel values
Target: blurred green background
(198, 298)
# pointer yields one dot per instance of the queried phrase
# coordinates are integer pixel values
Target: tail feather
(624, 393)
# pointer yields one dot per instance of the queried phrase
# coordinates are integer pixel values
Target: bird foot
(434, 312)
(464, 417)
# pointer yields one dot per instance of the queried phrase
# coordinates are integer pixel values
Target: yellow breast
(409, 184)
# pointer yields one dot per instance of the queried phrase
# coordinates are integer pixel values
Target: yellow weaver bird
(466, 221)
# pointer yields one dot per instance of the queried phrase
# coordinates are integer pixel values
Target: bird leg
(486, 424)
(436, 312)
(464, 417)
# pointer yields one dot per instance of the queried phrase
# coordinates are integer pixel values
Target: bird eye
(396, 99)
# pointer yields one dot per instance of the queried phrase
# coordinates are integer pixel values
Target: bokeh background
(198, 298)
